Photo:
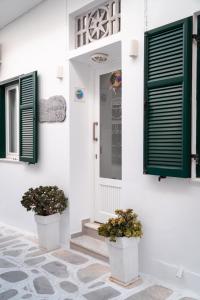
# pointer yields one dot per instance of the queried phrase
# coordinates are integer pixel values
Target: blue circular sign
(79, 94)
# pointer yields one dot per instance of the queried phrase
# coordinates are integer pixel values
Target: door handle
(94, 131)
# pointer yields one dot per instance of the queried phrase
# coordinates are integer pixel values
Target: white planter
(123, 255)
(48, 228)
(64, 229)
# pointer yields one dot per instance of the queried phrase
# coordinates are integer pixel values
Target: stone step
(90, 246)
(91, 229)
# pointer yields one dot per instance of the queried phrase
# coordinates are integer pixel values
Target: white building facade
(71, 153)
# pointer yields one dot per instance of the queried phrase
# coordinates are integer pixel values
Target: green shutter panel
(167, 100)
(198, 103)
(2, 123)
(28, 117)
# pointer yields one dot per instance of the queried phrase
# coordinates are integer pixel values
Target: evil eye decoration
(79, 94)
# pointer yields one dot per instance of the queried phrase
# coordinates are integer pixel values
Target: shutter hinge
(196, 158)
(197, 39)
(145, 104)
(161, 177)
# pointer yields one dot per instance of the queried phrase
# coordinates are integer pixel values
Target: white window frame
(11, 155)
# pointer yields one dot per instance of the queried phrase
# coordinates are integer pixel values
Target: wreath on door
(116, 79)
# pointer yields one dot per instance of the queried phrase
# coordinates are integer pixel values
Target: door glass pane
(12, 121)
(110, 125)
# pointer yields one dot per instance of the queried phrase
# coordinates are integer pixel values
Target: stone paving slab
(69, 286)
(27, 272)
(43, 286)
(92, 272)
(14, 276)
(13, 253)
(70, 257)
(155, 292)
(186, 298)
(57, 269)
(35, 261)
(6, 264)
(8, 294)
(103, 294)
(3, 245)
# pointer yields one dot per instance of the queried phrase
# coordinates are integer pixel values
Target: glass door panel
(111, 125)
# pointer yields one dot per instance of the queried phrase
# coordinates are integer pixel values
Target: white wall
(160, 12)
(81, 172)
(36, 41)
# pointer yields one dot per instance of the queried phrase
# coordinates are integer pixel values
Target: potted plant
(47, 202)
(122, 236)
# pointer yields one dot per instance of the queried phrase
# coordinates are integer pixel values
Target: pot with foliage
(123, 234)
(47, 202)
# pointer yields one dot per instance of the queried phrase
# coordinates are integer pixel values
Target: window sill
(10, 160)
(195, 179)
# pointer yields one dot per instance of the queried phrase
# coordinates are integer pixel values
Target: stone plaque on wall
(52, 109)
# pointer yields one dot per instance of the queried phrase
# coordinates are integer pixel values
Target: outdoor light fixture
(0, 54)
(133, 52)
(59, 73)
(99, 58)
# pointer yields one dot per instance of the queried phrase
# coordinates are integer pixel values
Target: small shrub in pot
(122, 236)
(47, 202)
(126, 224)
(44, 200)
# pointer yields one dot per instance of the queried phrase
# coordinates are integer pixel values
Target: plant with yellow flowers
(126, 224)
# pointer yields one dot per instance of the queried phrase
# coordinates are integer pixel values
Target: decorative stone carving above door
(98, 23)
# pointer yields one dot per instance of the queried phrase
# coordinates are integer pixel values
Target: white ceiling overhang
(12, 9)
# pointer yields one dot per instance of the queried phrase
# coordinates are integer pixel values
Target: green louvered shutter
(167, 100)
(198, 103)
(2, 123)
(28, 117)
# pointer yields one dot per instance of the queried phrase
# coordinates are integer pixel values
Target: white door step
(90, 246)
(91, 229)
(94, 225)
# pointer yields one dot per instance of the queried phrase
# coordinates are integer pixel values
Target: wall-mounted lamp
(60, 72)
(0, 54)
(134, 47)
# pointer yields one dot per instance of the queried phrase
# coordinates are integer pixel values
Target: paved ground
(26, 272)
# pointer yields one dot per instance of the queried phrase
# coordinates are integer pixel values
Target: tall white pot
(48, 228)
(64, 228)
(123, 256)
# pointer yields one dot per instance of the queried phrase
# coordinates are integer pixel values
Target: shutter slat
(174, 55)
(167, 94)
(164, 60)
(28, 122)
(172, 50)
(168, 35)
(162, 52)
(167, 43)
(168, 66)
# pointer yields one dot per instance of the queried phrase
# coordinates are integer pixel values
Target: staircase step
(90, 246)
(91, 229)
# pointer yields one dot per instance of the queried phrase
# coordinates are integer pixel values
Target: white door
(107, 128)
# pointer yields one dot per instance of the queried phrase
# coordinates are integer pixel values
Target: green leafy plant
(45, 200)
(126, 224)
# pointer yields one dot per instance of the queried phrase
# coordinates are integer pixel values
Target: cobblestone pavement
(27, 272)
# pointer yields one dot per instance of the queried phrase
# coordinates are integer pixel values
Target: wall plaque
(52, 109)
